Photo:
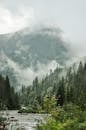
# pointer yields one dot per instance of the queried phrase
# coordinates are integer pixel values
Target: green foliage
(34, 95)
(49, 104)
(69, 117)
(63, 98)
(70, 89)
(70, 113)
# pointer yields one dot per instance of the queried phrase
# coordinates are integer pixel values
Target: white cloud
(25, 76)
(12, 22)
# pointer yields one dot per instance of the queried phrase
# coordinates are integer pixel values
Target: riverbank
(25, 121)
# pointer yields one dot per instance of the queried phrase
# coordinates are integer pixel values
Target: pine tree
(61, 93)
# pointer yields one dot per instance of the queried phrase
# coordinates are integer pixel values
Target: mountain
(30, 53)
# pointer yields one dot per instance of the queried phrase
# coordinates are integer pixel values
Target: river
(23, 121)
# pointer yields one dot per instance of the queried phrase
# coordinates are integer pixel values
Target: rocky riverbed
(18, 121)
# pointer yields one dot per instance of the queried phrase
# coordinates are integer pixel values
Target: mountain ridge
(28, 51)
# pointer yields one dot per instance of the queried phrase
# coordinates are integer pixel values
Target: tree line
(68, 89)
(68, 106)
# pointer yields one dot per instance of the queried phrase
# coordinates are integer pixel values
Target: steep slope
(26, 54)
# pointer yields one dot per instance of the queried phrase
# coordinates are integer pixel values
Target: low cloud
(25, 76)
(12, 22)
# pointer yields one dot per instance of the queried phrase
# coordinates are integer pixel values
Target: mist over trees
(63, 97)
(68, 89)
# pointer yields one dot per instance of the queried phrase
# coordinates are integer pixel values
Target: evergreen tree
(61, 93)
(8, 97)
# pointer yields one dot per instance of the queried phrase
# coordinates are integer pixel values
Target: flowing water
(23, 121)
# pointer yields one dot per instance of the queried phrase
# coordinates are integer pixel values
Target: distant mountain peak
(30, 51)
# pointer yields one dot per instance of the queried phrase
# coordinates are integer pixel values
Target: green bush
(70, 117)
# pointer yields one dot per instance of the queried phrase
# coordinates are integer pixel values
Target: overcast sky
(69, 15)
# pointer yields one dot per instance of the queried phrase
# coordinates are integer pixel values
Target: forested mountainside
(24, 53)
(68, 89)
(71, 88)
(63, 97)
(68, 105)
